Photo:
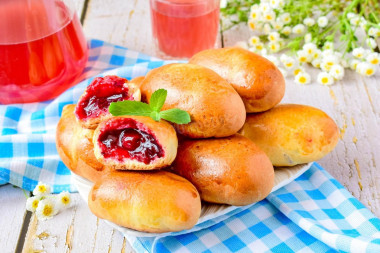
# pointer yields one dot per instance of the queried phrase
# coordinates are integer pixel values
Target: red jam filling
(127, 139)
(100, 94)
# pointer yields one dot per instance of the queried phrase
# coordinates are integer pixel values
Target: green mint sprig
(153, 109)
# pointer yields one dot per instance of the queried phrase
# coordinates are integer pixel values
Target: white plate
(283, 176)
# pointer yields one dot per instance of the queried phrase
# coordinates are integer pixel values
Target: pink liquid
(42, 52)
(182, 28)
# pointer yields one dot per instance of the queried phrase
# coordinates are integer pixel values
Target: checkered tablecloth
(314, 213)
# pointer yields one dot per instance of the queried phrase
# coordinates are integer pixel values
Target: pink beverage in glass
(42, 50)
(182, 28)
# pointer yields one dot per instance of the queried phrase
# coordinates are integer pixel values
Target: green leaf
(155, 116)
(130, 108)
(176, 115)
(157, 99)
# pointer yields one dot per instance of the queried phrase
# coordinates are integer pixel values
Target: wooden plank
(74, 230)
(12, 210)
(354, 104)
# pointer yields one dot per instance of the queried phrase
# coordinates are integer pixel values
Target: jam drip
(129, 142)
(100, 94)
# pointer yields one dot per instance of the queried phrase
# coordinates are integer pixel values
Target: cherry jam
(124, 139)
(100, 94)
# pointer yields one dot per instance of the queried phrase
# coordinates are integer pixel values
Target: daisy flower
(255, 15)
(288, 62)
(254, 40)
(310, 48)
(337, 71)
(278, 25)
(371, 42)
(302, 78)
(316, 63)
(274, 46)
(274, 36)
(309, 21)
(302, 56)
(63, 200)
(41, 189)
(286, 30)
(46, 209)
(365, 69)
(298, 70)
(32, 203)
(269, 16)
(265, 7)
(373, 58)
(285, 17)
(267, 28)
(298, 29)
(325, 78)
(328, 45)
(358, 52)
(308, 38)
(353, 63)
(374, 32)
(322, 21)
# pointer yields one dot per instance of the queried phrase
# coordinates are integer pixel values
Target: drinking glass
(182, 28)
(42, 49)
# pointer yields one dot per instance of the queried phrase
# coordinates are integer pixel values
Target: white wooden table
(354, 103)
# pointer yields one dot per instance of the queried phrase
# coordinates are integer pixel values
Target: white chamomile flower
(309, 21)
(298, 70)
(267, 28)
(285, 17)
(328, 61)
(302, 78)
(41, 189)
(32, 203)
(274, 4)
(310, 48)
(354, 63)
(374, 32)
(255, 15)
(46, 209)
(254, 40)
(325, 78)
(287, 30)
(355, 21)
(254, 26)
(322, 21)
(265, 7)
(302, 56)
(308, 38)
(298, 29)
(63, 200)
(317, 54)
(365, 69)
(259, 46)
(328, 45)
(327, 52)
(316, 62)
(273, 59)
(358, 52)
(269, 16)
(283, 72)
(274, 46)
(288, 62)
(344, 63)
(278, 25)
(273, 36)
(350, 15)
(373, 58)
(371, 42)
(255, 7)
(337, 71)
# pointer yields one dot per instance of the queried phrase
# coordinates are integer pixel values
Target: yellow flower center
(325, 80)
(303, 59)
(302, 79)
(310, 51)
(254, 15)
(369, 72)
(375, 61)
(271, 37)
(35, 203)
(65, 200)
(48, 210)
(269, 17)
(252, 25)
(289, 64)
(297, 71)
(330, 63)
(259, 47)
(41, 188)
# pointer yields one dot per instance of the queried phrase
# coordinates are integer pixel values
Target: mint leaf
(176, 115)
(155, 116)
(130, 108)
(157, 99)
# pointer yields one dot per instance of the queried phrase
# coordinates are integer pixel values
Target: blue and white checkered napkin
(314, 213)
